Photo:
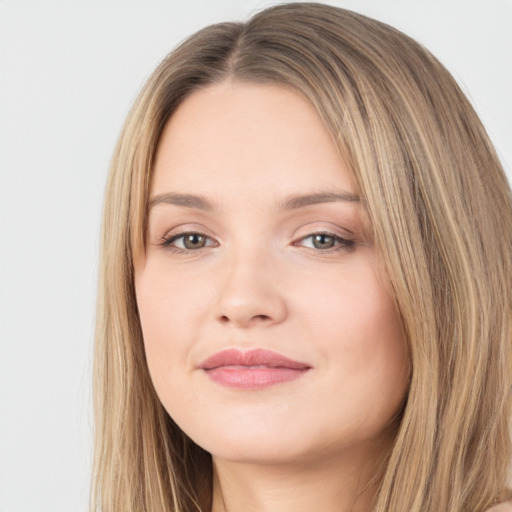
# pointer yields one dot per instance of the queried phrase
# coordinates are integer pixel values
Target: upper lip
(255, 357)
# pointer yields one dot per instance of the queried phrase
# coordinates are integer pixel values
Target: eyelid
(342, 243)
(167, 240)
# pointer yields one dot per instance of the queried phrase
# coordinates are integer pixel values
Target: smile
(252, 370)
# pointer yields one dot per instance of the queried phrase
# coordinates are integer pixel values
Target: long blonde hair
(442, 219)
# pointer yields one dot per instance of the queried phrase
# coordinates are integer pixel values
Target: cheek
(359, 332)
(352, 304)
(169, 310)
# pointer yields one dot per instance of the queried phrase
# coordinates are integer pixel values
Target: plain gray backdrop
(69, 71)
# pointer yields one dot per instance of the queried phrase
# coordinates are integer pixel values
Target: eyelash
(168, 241)
(340, 243)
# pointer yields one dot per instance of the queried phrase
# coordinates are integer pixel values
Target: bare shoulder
(502, 507)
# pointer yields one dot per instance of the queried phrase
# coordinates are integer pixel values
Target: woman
(305, 294)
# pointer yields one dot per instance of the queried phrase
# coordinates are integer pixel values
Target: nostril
(245, 306)
(226, 319)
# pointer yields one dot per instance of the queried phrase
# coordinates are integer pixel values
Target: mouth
(252, 370)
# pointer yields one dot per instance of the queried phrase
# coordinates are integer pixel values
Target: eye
(187, 241)
(325, 242)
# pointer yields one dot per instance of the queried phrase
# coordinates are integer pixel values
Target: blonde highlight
(441, 212)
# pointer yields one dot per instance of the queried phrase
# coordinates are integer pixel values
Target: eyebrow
(303, 200)
(292, 203)
(187, 200)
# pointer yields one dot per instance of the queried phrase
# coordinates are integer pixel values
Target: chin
(267, 443)
(263, 453)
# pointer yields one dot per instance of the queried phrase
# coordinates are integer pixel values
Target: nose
(250, 294)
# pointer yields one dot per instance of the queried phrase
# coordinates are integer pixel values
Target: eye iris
(194, 241)
(323, 241)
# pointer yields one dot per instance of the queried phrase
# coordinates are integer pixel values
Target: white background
(69, 71)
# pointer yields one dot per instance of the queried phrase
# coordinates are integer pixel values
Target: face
(269, 327)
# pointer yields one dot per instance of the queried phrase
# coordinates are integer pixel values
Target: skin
(258, 281)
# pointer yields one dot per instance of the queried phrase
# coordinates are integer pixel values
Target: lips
(255, 369)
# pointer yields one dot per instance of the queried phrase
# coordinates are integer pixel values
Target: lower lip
(253, 378)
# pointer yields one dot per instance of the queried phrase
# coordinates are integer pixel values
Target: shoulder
(502, 507)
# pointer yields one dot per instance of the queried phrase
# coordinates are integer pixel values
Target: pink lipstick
(255, 369)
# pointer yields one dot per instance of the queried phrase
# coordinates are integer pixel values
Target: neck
(326, 485)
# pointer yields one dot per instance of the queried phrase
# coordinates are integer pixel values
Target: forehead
(235, 136)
